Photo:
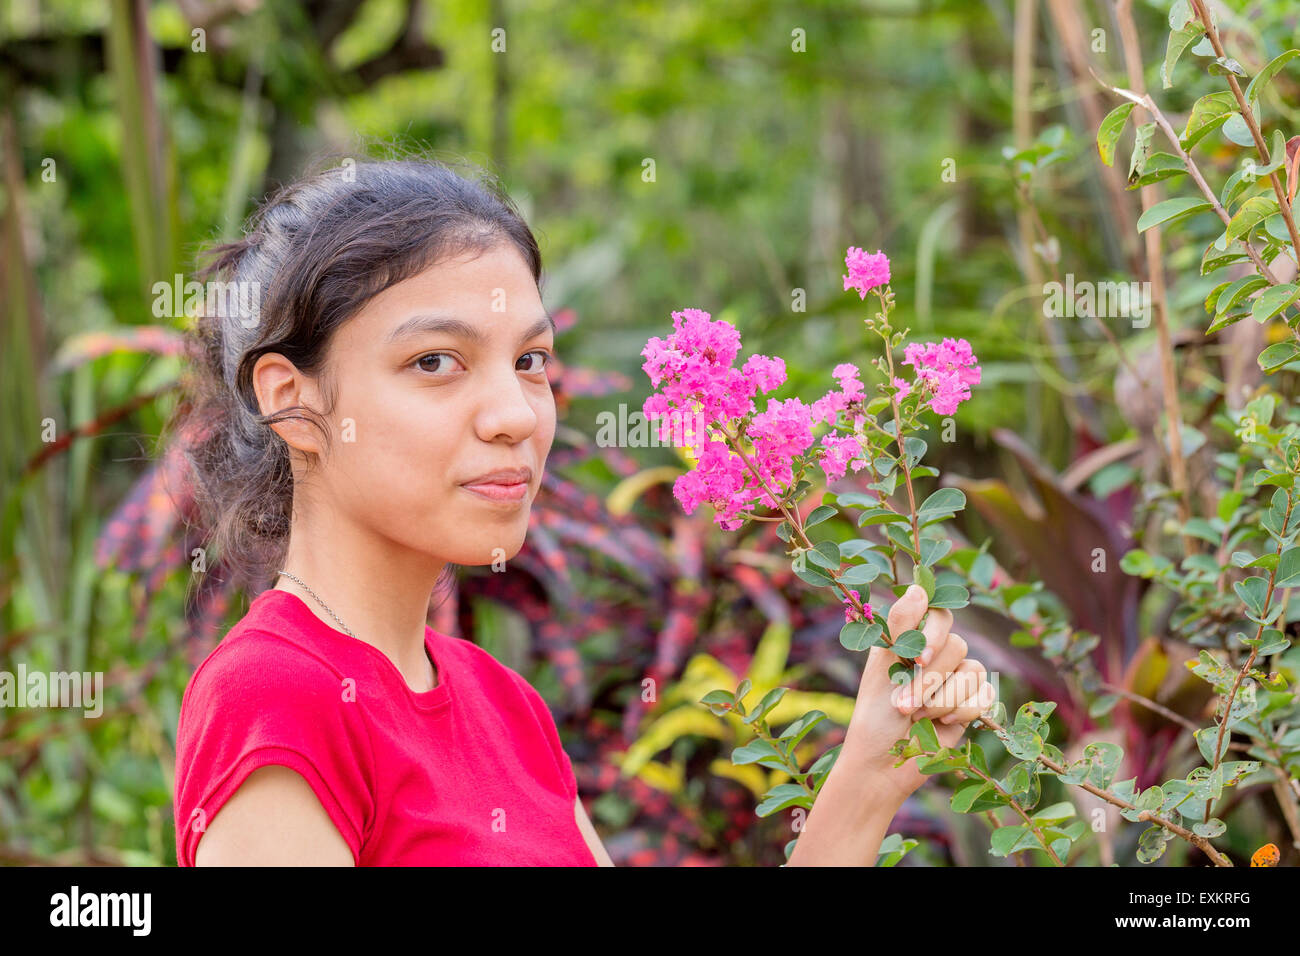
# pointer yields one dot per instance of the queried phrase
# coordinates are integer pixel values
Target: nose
(506, 407)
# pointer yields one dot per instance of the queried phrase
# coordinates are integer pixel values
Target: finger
(936, 635)
(948, 655)
(971, 709)
(907, 610)
(959, 687)
(936, 638)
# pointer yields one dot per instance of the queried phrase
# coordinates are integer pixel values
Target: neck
(377, 587)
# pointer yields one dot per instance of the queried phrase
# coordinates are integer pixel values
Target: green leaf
(1215, 258)
(925, 578)
(943, 501)
(1004, 838)
(909, 644)
(877, 405)
(1179, 40)
(1215, 294)
(1253, 592)
(859, 574)
(854, 548)
(1214, 828)
(1229, 504)
(1252, 212)
(770, 700)
(1208, 113)
(719, 701)
(1109, 132)
(881, 516)
(1159, 167)
(1236, 131)
(1271, 70)
(926, 735)
(1103, 705)
(818, 515)
(1225, 320)
(1141, 150)
(932, 549)
(966, 794)
(1288, 569)
(1276, 226)
(952, 596)
(1236, 291)
(761, 752)
(1056, 813)
(825, 554)
(1223, 65)
(893, 848)
(1024, 743)
(1104, 757)
(1273, 301)
(1277, 516)
(813, 577)
(859, 635)
(1170, 211)
(1276, 356)
(799, 728)
(783, 796)
(1152, 843)
(1200, 528)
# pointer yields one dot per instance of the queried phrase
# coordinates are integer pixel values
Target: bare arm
(589, 832)
(847, 823)
(273, 819)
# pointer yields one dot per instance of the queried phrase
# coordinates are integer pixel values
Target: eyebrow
(459, 328)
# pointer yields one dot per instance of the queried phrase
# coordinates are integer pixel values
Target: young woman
(376, 410)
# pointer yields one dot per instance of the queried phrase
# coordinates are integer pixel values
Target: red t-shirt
(470, 773)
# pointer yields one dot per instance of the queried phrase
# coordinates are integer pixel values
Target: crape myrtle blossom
(866, 271)
(945, 371)
(693, 373)
(851, 613)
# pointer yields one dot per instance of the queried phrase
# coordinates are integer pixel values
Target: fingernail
(926, 655)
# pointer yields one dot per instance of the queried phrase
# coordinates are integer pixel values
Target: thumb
(907, 611)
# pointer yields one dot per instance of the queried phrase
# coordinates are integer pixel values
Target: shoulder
(252, 666)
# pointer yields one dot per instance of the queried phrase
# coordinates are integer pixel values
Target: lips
(506, 484)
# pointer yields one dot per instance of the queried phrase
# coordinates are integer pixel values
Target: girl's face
(439, 382)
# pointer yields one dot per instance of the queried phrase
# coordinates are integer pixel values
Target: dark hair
(312, 255)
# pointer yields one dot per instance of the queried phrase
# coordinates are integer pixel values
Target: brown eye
(430, 362)
(540, 364)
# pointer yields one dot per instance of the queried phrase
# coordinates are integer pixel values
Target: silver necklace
(328, 610)
(303, 584)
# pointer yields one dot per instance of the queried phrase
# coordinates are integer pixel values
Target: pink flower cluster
(866, 271)
(694, 373)
(851, 613)
(945, 371)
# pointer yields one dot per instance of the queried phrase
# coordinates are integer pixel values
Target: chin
(486, 551)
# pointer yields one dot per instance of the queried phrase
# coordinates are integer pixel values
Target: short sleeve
(543, 714)
(263, 701)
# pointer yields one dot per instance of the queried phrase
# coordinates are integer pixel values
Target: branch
(1248, 115)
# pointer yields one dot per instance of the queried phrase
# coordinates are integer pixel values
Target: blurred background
(716, 155)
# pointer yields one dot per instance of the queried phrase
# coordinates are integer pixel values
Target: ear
(279, 385)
